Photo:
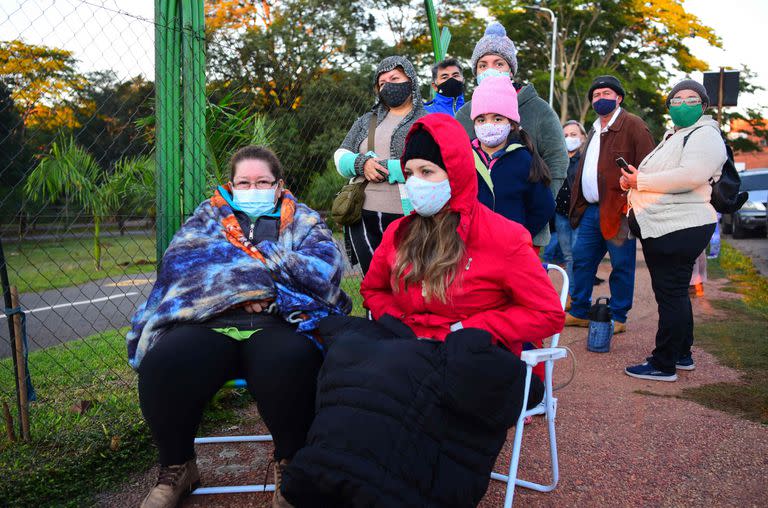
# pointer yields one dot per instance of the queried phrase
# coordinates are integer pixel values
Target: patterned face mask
(394, 95)
(427, 197)
(489, 74)
(493, 134)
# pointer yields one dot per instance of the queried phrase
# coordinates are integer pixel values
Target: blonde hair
(433, 250)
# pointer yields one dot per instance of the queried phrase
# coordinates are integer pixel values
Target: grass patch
(351, 286)
(41, 265)
(739, 342)
(74, 455)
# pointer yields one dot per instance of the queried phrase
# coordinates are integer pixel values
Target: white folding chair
(234, 489)
(547, 407)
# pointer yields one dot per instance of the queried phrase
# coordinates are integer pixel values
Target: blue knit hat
(495, 42)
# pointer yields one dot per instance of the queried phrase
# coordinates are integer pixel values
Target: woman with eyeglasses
(669, 194)
(239, 293)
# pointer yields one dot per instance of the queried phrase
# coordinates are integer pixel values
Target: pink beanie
(495, 94)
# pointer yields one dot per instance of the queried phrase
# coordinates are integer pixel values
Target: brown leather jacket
(628, 137)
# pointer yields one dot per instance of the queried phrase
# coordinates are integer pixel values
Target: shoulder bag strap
(372, 132)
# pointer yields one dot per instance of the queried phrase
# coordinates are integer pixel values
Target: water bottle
(600, 326)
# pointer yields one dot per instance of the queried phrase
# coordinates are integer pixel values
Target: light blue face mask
(254, 202)
(489, 74)
(427, 198)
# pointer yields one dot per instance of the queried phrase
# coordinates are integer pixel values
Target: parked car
(752, 217)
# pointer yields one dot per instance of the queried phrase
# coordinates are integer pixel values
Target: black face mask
(394, 95)
(451, 87)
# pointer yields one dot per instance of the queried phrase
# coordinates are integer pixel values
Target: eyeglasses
(691, 101)
(261, 185)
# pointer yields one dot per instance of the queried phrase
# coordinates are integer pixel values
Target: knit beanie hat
(495, 42)
(497, 95)
(421, 145)
(689, 84)
(606, 82)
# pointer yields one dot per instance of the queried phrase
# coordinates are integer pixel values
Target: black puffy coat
(402, 422)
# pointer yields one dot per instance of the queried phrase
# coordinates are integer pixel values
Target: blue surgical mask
(489, 74)
(254, 202)
(427, 197)
(604, 106)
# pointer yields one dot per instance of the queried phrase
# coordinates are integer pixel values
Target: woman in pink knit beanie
(513, 179)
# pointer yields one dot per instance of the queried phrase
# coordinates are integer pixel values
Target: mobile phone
(622, 163)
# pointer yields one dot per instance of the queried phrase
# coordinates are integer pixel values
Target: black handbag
(347, 207)
(726, 197)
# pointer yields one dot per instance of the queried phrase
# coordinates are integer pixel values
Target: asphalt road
(60, 315)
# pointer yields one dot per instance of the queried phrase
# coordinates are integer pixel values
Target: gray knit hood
(392, 62)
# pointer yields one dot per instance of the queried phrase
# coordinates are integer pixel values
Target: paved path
(623, 442)
(61, 315)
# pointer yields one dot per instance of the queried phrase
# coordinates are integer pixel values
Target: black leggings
(190, 363)
(363, 238)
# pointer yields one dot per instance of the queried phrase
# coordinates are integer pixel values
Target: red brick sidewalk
(617, 447)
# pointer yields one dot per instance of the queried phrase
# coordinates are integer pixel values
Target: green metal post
(193, 86)
(167, 122)
(179, 82)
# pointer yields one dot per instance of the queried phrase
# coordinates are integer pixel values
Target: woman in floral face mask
(513, 179)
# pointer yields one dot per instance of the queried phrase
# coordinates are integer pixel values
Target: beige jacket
(673, 181)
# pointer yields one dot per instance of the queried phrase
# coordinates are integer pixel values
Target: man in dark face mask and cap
(398, 105)
(599, 204)
(448, 83)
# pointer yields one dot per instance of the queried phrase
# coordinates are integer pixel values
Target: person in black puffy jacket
(402, 422)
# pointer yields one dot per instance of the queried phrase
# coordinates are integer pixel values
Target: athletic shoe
(685, 363)
(648, 371)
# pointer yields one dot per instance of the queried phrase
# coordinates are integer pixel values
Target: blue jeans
(566, 237)
(552, 253)
(589, 250)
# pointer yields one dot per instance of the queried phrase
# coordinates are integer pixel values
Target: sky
(119, 34)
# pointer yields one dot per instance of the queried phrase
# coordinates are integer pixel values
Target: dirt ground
(622, 441)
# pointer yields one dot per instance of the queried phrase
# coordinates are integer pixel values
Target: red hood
(456, 151)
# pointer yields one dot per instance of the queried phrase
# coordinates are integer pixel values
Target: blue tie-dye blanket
(210, 266)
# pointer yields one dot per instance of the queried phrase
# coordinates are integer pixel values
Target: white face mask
(572, 144)
(254, 202)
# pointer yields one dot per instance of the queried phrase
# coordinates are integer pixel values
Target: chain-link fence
(79, 204)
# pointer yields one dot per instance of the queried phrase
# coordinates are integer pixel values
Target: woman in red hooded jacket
(456, 264)
(402, 422)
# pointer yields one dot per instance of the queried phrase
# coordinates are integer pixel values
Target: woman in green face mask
(669, 211)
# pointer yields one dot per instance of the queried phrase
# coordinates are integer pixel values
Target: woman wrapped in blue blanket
(238, 295)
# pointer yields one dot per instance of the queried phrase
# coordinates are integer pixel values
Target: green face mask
(685, 115)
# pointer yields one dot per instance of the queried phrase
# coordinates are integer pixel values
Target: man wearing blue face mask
(599, 204)
(496, 55)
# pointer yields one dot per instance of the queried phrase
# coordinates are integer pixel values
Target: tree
(13, 155)
(754, 125)
(44, 84)
(271, 50)
(109, 129)
(70, 172)
(641, 42)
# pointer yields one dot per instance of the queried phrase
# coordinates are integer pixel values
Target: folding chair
(547, 407)
(234, 489)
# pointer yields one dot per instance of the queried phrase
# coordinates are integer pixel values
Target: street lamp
(553, 18)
